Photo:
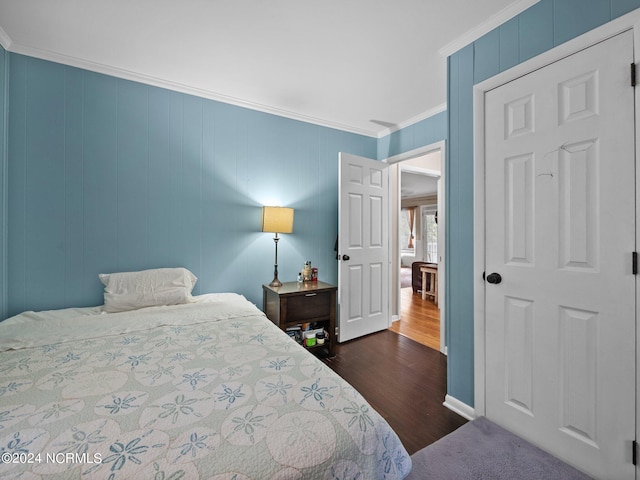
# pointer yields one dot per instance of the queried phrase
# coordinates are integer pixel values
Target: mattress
(205, 390)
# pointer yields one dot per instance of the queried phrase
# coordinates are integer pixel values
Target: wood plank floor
(419, 319)
(404, 381)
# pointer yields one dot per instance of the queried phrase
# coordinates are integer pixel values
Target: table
(294, 304)
(433, 284)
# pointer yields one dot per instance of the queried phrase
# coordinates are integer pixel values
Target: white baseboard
(460, 408)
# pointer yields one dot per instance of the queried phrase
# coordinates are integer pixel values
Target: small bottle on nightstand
(306, 271)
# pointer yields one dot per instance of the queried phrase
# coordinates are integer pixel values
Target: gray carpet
(481, 450)
(405, 277)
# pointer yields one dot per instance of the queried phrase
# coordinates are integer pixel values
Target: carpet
(405, 277)
(481, 450)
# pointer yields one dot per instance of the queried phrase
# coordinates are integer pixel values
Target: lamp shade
(277, 219)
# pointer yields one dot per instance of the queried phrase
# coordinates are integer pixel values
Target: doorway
(416, 204)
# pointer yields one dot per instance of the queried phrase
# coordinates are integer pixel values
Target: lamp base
(275, 282)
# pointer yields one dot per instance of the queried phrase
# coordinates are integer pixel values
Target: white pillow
(148, 288)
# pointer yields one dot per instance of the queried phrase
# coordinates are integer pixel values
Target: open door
(363, 246)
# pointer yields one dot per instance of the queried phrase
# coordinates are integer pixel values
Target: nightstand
(296, 303)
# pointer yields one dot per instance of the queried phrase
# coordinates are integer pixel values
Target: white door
(560, 222)
(363, 246)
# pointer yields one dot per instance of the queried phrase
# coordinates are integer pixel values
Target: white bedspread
(210, 390)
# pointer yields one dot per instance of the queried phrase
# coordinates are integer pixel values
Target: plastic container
(320, 338)
(310, 339)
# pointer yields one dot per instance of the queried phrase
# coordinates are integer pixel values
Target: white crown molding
(5, 40)
(178, 87)
(420, 171)
(416, 152)
(495, 21)
(418, 118)
(9, 46)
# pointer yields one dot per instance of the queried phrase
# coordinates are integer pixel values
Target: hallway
(419, 319)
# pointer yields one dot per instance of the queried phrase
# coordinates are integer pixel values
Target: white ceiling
(417, 185)
(360, 65)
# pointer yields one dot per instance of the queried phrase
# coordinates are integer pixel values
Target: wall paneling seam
(4, 175)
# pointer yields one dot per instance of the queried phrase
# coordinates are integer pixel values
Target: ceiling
(417, 185)
(365, 66)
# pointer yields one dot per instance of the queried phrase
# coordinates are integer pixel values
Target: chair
(416, 276)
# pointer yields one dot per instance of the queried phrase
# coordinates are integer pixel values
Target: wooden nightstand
(296, 303)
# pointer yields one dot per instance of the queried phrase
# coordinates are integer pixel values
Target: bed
(208, 389)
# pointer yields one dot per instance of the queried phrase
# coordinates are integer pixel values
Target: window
(430, 231)
(407, 234)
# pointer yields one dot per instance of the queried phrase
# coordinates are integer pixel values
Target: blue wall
(540, 28)
(4, 70)
(109, 175)
(420, 134)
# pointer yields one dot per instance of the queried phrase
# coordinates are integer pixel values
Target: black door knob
(346, 257)
(494, 278)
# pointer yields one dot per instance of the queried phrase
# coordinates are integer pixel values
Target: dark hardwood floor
(404, 381)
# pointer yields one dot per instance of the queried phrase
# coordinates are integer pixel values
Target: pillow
(148, 288)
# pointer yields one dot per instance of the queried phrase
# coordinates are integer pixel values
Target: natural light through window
(407, 230)
(431, 235)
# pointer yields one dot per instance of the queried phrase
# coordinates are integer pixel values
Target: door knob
(346, 257)
(494, 278)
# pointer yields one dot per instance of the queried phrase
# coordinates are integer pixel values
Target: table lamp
(277, 220)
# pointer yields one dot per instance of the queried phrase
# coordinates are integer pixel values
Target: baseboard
(459, 407)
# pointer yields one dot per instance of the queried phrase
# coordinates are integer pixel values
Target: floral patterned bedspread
(198, 391)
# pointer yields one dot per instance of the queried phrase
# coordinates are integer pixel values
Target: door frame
(394, 209)
(630, 21)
